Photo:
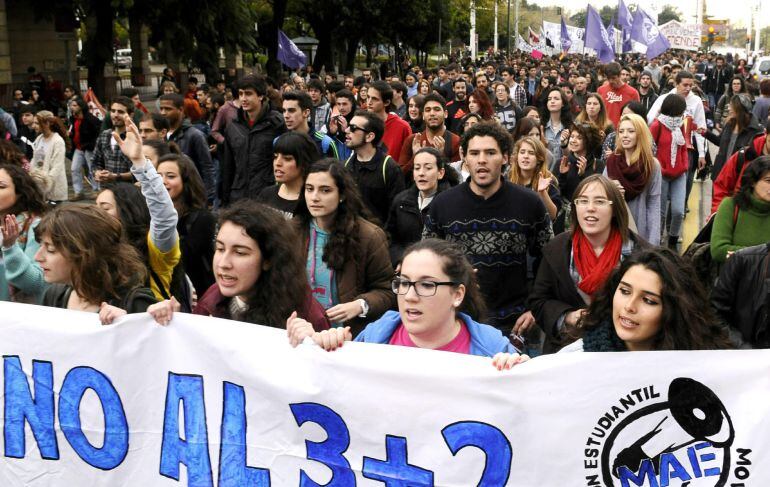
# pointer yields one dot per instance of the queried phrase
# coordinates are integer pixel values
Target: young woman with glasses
(576, 264)
(438, 305)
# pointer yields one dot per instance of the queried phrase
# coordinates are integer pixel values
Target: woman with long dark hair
(414, 113)
(197, 225)
(409, 208)
(744, 219)
(21, 206)
(653, 301)
(347, 258)
(558, 120)
(259, 274)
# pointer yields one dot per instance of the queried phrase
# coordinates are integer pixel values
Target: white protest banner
(682, 36)
(552, 30)
(209, 402)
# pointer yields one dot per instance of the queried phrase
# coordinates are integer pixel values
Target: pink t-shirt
(459, 344)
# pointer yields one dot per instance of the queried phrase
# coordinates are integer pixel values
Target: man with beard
(435, 135)
(377, 175)
(457, 108)
(109, 162)
(647, 95)
(496, 223)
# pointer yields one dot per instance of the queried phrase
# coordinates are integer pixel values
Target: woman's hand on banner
(108, 313)
(506, 361)
(298, 329)
(164, 311)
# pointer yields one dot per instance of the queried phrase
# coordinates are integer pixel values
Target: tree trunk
(99, 45)
(269, 38)
(350, 55)
(324, 56)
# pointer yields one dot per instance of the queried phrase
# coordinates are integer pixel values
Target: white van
(761, 68)
(123, 58)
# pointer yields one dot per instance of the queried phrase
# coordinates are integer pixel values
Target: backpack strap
(384, 165)
(154, 277)
(448, 143)
(349, 159)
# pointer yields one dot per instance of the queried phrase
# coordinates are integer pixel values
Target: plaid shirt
(107, 154)
(519, 95)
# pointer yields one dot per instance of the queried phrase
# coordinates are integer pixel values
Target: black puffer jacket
(743, 139)
(405, 221)
(247, 159)
(741, 297)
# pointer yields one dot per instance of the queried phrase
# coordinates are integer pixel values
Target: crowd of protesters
(505, 207)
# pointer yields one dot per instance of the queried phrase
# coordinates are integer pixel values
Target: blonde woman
(637, 173)
(529, 168)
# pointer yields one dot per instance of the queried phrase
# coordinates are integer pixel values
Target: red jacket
(214, 304)
(451, 146)
(662, 137)
(729, 182)
(396, 132)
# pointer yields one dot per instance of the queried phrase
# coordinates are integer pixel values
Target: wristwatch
(364, 308)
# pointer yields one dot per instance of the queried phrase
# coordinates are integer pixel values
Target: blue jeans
(674, 191)
(82, 160)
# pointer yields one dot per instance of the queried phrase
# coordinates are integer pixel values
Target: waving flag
(288, 52)
(596, 37)
(611, 31)
(566, 41)
(534, 39)
(645, 31)
(625, 21)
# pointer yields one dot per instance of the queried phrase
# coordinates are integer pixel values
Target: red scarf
(594, 270)
(630, 175)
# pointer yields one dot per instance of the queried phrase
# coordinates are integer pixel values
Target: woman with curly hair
(653, 301)
(89, 264)
(347, 259)
(21, 206)
(259, 277)
(10, 154)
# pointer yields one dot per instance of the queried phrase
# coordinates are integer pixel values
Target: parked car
(123, 58)
(761, 68)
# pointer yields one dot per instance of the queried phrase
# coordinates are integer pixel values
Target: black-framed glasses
(424, 289)
(353, 127)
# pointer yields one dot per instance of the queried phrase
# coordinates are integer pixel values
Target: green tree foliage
(669, 12)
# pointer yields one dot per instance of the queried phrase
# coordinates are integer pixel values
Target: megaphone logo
(684, 440)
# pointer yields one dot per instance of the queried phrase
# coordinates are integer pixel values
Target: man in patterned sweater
(496, 223)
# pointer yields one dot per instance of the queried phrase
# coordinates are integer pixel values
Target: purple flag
(645, 31)
(288, 52)
(596, 37)
(611, 30)
(566, 41)
(625, 21)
